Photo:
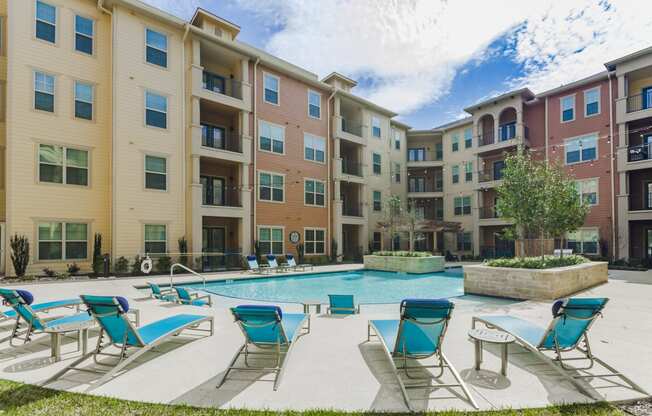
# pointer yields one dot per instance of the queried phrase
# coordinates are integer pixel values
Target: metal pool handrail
(203, 278)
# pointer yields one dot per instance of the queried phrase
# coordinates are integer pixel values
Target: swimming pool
(368, 286)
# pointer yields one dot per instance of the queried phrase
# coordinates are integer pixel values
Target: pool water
(368, 286)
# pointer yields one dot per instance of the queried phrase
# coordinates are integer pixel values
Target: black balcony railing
(350, 209)
(486, 138)
(639, 102)
(220, 197)
(488, 212)
(640, 152)
(221, 85)
(351, 167)
(216, 138)
(489, 175)
(640, 202)
(351, 127)
(430, 186)
(420, 155)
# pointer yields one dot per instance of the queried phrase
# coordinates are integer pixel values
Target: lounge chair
(418, 335)
(273, 264)
(187, 297)
(166, 294)
(254, 267)
(42, 307)
(342, 305)
(110, 314)
(568, 331)
(292, 264)
(20, 300)
(270, 330)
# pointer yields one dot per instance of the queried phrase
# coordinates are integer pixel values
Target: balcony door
(647, 97)
(213, 136)
(647, 197)
(214, 82)
(213, 190)
(213, 248)
(417, 184)
(499, 165)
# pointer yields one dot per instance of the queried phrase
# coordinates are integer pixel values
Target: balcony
(639, 102)
(640, 152)
(488, 212)
(490, 175)
(221, 90)
(352, 167)
(422, 158)
(215, 138)
(218, 200)
(220, 85)
(429, 189)
(640, 207)
(351, 127)
(351, 209)
(509, 135)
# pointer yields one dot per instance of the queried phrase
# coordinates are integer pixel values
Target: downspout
(253, 182)
(613, 178)
(328, 167)
(184, 132)
(546, 128)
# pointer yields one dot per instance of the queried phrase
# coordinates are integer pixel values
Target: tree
(412, 221)
(19, 254)
(392, 217)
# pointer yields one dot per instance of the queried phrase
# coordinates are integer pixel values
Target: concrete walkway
(334, 367)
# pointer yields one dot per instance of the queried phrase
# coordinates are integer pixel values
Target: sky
(429, 59)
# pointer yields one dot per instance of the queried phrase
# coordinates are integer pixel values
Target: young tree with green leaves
(392, 217)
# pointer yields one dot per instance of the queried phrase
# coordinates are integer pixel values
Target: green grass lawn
(29, 400)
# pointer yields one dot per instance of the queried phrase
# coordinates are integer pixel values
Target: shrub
(163, 264)
(317, 260)
(19, 254)
(49, 272)
(135, 266)
(121, 265)
(98, 261)
(73, 269)
(402, 253)
(537, 262)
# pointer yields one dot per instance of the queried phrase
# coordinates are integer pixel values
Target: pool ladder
(179, 265)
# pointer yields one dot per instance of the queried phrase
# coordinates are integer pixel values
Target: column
(245, 232)
(196, 191)
(476, 222)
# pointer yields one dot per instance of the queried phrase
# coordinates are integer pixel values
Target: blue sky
(429, 59)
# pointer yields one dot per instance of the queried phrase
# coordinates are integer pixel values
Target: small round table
(312, 302)
(492, 336)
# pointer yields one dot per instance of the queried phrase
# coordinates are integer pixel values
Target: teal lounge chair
(110, 314)
(270, 330)
(273, 264)
(254, 267)
(342, 305)
(28, 320)
(43, 307)
(568, 331)
(166, 294)
(292, 264)
(418, 335)
(187, 297)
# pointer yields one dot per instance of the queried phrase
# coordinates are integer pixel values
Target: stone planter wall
(405, 264)
(546, 284)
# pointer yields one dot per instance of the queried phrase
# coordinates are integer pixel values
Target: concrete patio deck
(334, 367)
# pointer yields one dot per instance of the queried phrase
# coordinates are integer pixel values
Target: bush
(49, 272)
(135, 266)
(98, 261)
(547, 262)
(121, 265)
(73, 269)
(317, 260)
(402, 253)
(19, 254)
(163, 264)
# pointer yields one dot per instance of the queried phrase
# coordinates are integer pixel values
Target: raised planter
(404, 264)
(544, 284)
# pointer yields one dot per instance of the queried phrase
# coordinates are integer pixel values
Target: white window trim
(597, 148)
(396, 135)
(597, 189)
(305, 240)
(74, 99)
(260, 129)
(167, 243)
(75, 33)
(281, 227)
(304, 148)
(374, 163)
(373, 191)
(399, 172)
(467, 170)
(599, 90)
(315, 192)
(319, 95)
(380, 127)
(271, 201)
(63, 165)
(167, 109)
(56, 24)
(167, 53)
(461, 198)
(63, 240)
(278, 92)
(561, 108)
(453, 169)
(167, 176)
(455, 139)
(581, 231)
(54, 91)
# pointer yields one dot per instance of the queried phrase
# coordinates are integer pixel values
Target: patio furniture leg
(460, 381)
(228, 369)
(504, 359)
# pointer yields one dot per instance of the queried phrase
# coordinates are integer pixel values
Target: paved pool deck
(334, 367)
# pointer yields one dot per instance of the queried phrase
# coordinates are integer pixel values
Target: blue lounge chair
(273, 264)
(110, 314)
(43, 307)
(292, 264)
(568, 331)
(187, 297)
(418, 335)
(166, 294)
(273, 332)
(342, 305)
(20, 302)
(254, 267)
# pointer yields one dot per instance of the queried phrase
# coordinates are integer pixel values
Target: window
(507, 131)
(397, 172)
(376, 242)
(315, 192)
(468, 171)
(397, 140)
(270, 240)
(156, 238)
(314, 104)
(271, 86)
(377, 199)
(46, 21)
(581, 149)
(588, 191)
(213, 136)
(498, 167)
(375, 126)
(213, 82)
(272, 138)
(568, 108)
(592, 102)
(646, 98)
(62, 241)
(156, 173)
(464, 241)
(462, 205)
(156, 45)
(156, 110)
(416, 184)
(271, 187)
(439, 151)
(43, 92)
(377, 164)
(63, 165)
(468, 138)
(213, 190)
(456, 142)
(314, 148)
(84, 35)
(416, 155)
(83, 100)
(315, 241)
(455, 170)
(584, 240)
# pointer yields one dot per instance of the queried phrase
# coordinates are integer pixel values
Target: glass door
(213, 247)
(648, 243)
(648, 195)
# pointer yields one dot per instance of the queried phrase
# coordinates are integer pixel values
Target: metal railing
(351, 127)
(351, 167)
(425, 156)
(429, 186)
(226, 198)
(352, 210)
(488, 212)
(638, 102)
(488, 175)
(217, 139)
(640, 202)
(486, 138)
(639, 152)
(222, 85)
(179, 265)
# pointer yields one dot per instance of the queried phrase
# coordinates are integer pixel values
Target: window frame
(579, 183)
(166, 174)
(314, 241)
(145, 240)
(35, 90)
(379, 201)
(63, 241)
(599, 99)
(76, 33)
(312, 138)
(462, 243)
(64, 165)
(468, 141)
(397, 172)
(374, 164)
(313, 92)
(167, 109)
(272, 140)
(397, 139)
(455, 177)
(75, 99)
(314, 192)
(461, 200)
(376, 124)
(166, 51)
(455, 142)
(271, 239)
(55, 24)
(582, 241)
(271, 187)
(567, 142)
(278, 91)
(468, 171)
(561, 108)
